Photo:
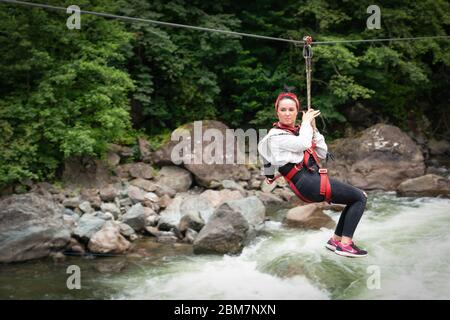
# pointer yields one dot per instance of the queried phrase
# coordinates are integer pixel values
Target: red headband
(287, 95)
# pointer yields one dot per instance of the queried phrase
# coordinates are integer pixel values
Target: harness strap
(296, 168)
(325, 186)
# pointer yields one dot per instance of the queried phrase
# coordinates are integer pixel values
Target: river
(408, 240)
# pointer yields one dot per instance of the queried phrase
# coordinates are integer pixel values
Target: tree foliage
(62, 92)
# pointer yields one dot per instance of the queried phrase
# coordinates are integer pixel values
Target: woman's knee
(346, 193)
(362, 197)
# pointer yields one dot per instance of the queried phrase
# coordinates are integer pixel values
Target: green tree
(62, 92)
(176, 70)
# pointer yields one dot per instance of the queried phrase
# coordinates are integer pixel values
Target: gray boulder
(216, 198)
(254, 184)
(233, 185)
(162, 236)
(429, 185)
(251, 208)
(309, 216)
(75, 246)
(71, 221)
(31, 226)
(153, 197)
(380, 157)
(135, 217)
(289, 196)
(86, 172)
(152, 220)
(140, 170)
(104, 215)
(181, 205)
(439, 147)
(112, 208)
(177, 178)
(112, 159)
(207, 173)
(232, 225)
(87, 226)
(108, 240)
(136, 194)
(126, 230)
(163, 190)
(144, 184)
(191, 221)
(144, 150)
(108, 193)
(268, 187)
(197, 204)
(72, 203)
(91, 195)
(225, 233)
(272, 202)
(190, 236)
(86, 207)
(170, 217)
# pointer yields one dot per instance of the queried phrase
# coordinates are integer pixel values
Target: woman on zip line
(295, 150)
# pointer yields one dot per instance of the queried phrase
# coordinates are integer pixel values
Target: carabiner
(307, 50)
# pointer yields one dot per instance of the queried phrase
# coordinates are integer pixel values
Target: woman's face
(287, 112)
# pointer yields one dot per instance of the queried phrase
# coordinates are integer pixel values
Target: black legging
(308, 184)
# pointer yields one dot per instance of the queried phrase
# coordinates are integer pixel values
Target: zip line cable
(108, 15)
(177, 25)
(379, 40)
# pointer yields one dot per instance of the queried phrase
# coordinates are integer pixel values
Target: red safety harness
(325, 187)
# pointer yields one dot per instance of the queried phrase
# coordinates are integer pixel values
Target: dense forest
(67, 93)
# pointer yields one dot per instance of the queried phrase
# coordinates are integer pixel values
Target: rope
(308, 81)
(307, 54)
(234, 33)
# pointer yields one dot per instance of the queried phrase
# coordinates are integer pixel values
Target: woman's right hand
(309, 115)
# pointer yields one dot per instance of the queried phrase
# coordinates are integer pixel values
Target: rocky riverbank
(104, 206)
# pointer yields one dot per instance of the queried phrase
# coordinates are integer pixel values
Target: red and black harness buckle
(325, 186)
(296, 168)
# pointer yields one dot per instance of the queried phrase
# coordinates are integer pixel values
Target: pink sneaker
(331, 244)
(350, 250)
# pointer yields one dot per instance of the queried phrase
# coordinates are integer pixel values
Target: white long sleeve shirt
(280, 147)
